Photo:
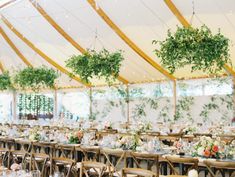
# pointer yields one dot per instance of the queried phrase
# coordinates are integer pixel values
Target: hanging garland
(196, 47)
(5, 81)
(36, 78)
(101, 64)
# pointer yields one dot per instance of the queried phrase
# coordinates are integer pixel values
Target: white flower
(203, 143)
(200, 151)
(193, 173)
(208, 139)
(31, 137)
(216, 143)
(118, 144)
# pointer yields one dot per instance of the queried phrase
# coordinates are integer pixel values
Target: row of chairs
(47, 157)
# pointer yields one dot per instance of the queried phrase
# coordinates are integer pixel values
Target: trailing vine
(5, 81)
(165, 112)
(101, 64)
(35, 104)
(36, 78)
(183, 108)
(215, 105)
(196, 47)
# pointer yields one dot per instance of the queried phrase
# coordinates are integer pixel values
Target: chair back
(67, 164)
(152, 159)
(43, 148)
(65, 150)
(23, 145)
(89, 153)
(190, 163)
(89, 168)
(219, 166)
(114, 159)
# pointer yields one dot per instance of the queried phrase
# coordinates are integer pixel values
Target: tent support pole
(14, 105)
(90, 95)
(128, 104)
(174, 97)
(55, 114)
(233, 97)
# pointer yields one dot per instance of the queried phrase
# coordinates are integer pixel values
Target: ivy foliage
(183, 108)
(35, 78)
(215, 105)
(5, 81)
(196, 47)
(101, 64)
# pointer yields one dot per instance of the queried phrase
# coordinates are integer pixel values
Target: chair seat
(62, 160)
(78, 165)
(18, 153)
(119, 173)
(2, 150)
(176, 176)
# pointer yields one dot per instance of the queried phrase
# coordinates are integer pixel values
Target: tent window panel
(109, 104)
(74, 105)
(35, 106)
(6, 102)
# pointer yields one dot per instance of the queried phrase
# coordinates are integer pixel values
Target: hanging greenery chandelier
(196, 47)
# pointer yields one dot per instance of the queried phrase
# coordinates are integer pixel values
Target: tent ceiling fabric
(142, 22)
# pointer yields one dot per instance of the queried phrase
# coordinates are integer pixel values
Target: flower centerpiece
(130, 142)
(108, 125)
(144, 126)
(34, 134)
(208, 147)
(75, 137)
(189, 130)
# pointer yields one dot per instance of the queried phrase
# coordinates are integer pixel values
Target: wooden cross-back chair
(3, 148)
(217, 168)
(187, 163)
(152, 161)
(66, 164)
(42, 154)
(89, 153)
(137, 172)
(44, 148)
(21, 148)
(32, 161)
(115, 159)
(89, 168)
(64, 159)
(65, 151)
(6, 151)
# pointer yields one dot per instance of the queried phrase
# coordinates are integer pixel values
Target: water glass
(35, 173)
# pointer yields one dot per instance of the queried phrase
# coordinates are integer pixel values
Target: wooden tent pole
(128, 104)
(90, 95)
(55, 111)
(14, 105)
(174, 97)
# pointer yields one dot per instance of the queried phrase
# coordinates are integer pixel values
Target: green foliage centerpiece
(35, 78)
(101, 64)
(5, 81)
(196, 47)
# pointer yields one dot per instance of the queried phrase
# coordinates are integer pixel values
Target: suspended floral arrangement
(101, 64)
(196, 47)
(35, 78)
(5, 81)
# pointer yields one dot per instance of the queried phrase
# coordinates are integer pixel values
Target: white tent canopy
(141, 21)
